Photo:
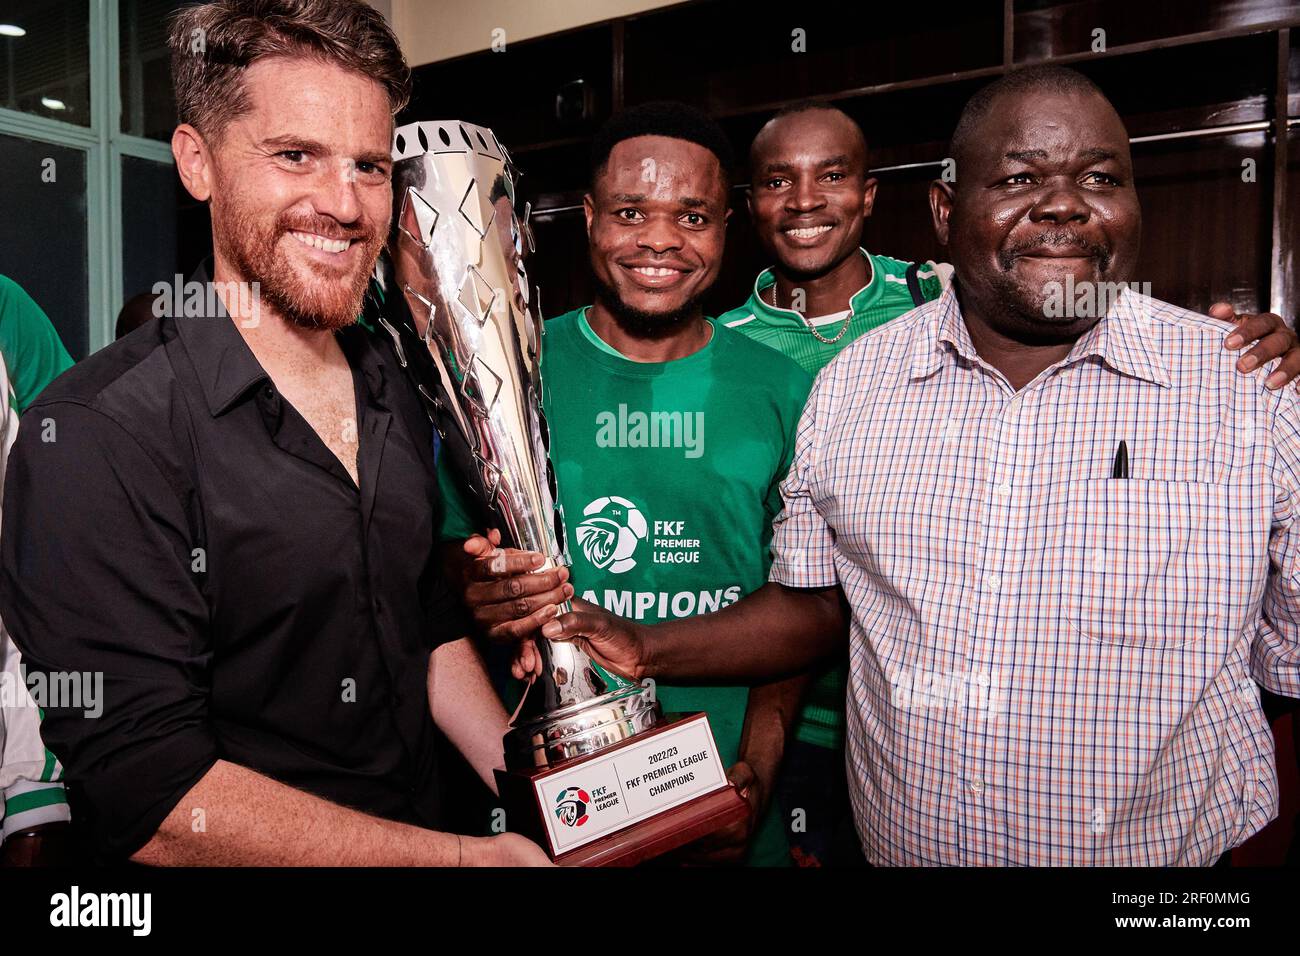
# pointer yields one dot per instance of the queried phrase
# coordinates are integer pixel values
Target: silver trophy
(457, 261)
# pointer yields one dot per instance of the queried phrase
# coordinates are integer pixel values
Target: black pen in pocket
(1120, 468)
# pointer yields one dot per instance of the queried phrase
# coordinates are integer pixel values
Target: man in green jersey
(810, 196)
(809, 199)
(670, 435)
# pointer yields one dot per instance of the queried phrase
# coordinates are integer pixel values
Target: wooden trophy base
(616, 793)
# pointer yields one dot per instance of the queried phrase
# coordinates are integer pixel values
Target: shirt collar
(226, 367)
(858, 302)
(943, 333)
(1122, 339)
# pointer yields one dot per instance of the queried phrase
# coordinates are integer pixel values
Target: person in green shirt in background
(810, 195)
(33, 352)
(670, 436)
(809, 198)
(33, 805)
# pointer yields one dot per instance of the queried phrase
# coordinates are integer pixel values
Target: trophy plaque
(594, 772)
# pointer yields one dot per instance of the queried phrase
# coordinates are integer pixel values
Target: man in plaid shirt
(1061, 528)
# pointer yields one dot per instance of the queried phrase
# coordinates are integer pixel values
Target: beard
(327, 301)
(646, 325)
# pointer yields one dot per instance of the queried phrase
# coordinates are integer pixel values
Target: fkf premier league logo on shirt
(613, 528)
(571, 806)
(611, 537)
(609, 533)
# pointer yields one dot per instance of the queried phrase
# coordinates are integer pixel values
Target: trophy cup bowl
(586, 745)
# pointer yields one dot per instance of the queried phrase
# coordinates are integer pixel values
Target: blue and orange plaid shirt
(1051, 666)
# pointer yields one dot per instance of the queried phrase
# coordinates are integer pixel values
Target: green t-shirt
(669, 477)
(884, 297)
(32, 350)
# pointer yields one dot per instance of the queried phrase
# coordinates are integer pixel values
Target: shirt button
(977, 787)
(268, 392)
(992, 582)
(1003, 489)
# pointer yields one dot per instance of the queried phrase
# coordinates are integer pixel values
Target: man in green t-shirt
(670, 435)
(810, 196)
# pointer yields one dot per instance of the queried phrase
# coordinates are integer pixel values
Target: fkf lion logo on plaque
(571, 806)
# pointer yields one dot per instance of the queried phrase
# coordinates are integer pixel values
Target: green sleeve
(32, 350)
(457, 510)
(796, 396)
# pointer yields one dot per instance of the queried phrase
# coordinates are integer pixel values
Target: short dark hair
(805, 105)
(1029, 79)
(809, 105)
(662, 118)
(212, 44)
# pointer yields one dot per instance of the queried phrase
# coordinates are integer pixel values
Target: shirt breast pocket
(1144, 562)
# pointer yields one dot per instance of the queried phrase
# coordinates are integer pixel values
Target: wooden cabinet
(1210, 92)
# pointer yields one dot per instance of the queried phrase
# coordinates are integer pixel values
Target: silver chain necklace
(848, 319)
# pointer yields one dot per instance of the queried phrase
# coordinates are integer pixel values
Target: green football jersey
(885, 296)
(669, 476)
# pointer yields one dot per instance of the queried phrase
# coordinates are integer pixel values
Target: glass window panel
(46, 70)
(148, 106)
(43, 232)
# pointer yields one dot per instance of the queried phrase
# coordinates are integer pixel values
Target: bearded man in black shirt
(230, 514)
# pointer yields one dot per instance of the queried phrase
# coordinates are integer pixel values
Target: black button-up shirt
(173, 523)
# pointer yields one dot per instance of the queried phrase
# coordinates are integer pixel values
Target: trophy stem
(574, 708)
(569, 678)
(580, 729)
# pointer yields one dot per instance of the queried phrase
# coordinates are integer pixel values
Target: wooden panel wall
(1214, 82)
